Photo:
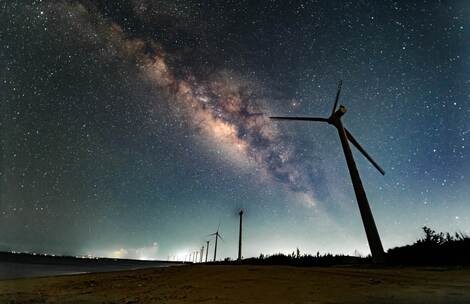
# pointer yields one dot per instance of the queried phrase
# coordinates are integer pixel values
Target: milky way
(223, 107)
(224, 110)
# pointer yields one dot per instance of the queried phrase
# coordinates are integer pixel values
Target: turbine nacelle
(336, 116)
(342, 110)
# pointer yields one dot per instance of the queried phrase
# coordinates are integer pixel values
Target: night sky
(127, 127)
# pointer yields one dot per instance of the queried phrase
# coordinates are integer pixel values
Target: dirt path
(247, 284)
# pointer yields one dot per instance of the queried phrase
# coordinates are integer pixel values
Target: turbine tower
(240, 236)
(202, 252)
(207, 249)
(345, 136)
(217, 235)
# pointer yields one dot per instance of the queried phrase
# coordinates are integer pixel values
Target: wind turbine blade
(212, 234)
(299, 118)
(337, 97)
(220, 236)
(358, 146)
(218, 227)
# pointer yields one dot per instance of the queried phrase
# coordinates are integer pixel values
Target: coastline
(247, 284)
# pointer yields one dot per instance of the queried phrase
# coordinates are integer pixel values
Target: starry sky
(131, 128)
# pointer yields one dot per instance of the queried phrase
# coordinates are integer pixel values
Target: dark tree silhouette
(433, 249)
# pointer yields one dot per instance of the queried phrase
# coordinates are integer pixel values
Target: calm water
(12, 270)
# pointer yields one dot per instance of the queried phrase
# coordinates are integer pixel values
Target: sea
(16, 266)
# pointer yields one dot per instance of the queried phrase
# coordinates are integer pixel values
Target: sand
(247, 284)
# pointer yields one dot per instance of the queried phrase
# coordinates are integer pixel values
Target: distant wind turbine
(240, 236)
(207, 249)
(345, 136)
(217, 235)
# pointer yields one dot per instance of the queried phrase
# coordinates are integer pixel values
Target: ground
(247, 284)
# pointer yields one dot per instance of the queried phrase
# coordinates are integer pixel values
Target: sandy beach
(247, 284)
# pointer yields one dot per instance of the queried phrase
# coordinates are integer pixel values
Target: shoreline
(248, 284)
(31, 266)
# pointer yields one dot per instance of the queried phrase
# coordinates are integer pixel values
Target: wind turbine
(240, 236)
(207, 249)
(217, 235)
(345, 136)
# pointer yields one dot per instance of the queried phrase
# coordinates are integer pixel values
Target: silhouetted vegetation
(298, 259)
(307, 260)
(433, 249)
